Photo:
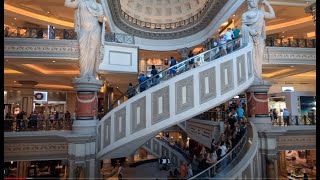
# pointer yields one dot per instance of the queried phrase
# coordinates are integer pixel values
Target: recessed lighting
(48, 12)
(14, 81)
(307, 2)
(15, 18)
(117, 87)
(291, 66)
(53, 61)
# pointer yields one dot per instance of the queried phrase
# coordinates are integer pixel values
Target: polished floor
(144, 171)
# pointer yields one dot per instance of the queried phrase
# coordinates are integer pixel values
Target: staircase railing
(164, 149)
(216, 168)
(212, 82)
(182, 67)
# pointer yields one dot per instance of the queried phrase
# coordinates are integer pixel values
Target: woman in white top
(223, 149)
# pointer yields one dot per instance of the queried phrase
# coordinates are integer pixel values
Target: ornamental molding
(41, 48)
(296, 142)
(34, 148)
(289, 55)
(176, 30)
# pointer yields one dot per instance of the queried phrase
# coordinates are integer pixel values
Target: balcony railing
(299, 43)
(36, 125)
(294, 121)
(42, 33)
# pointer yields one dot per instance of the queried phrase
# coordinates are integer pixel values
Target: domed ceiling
(162, 11)
(163, 19)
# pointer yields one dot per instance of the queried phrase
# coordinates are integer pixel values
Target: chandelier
(311, 9)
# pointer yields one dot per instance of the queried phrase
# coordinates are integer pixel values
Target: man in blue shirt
(240, 112)
(286, 116)
(142, 81)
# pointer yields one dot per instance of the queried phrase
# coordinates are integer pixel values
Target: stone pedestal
(86, 105)
(257, 104)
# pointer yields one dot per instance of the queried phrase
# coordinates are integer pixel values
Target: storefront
(293, 164)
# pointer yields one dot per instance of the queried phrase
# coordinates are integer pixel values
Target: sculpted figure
(89, 33)
(253, 30)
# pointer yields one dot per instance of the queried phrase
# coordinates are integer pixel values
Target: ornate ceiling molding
(159, 31)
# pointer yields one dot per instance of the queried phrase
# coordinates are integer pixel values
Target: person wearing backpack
(154, 72)
(172, 63)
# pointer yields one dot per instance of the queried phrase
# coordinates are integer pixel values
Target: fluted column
(22, 168)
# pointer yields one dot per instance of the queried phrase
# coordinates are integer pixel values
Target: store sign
(40, 96)
(287, 89)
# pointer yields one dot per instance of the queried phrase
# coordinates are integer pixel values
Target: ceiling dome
(163, 19)
(162, 11)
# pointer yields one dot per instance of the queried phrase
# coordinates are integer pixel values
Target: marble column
(282, 163)
(257, 104)
(22, 168)
(183, 53)
(272, 168)
(27, 96)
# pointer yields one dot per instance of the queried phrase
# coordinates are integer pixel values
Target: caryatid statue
(254, 31)
(89, 33)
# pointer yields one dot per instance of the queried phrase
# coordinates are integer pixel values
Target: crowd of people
(22, 121)
(201, 157)
(143, 79)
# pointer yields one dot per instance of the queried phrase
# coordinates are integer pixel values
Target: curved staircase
(135, 121)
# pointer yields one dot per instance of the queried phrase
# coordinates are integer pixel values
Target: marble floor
(145, 171)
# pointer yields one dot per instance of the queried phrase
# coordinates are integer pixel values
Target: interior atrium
(160, 89)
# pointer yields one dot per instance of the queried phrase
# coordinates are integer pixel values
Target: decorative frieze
(41, 48)
(289, 55)
(35, 148)
(296, 142)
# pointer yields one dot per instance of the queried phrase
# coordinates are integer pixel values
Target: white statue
(253, 30)
(89, 33)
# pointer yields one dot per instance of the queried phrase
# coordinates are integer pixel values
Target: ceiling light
(48, 12)
(291, 66)
(53, 61)
(117, 87)
(7, 60)
(14, 81)
(234, 15)
(307, 2)
(15, 18)
(283, 36)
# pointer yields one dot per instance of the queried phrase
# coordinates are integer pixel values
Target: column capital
(259, 86)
